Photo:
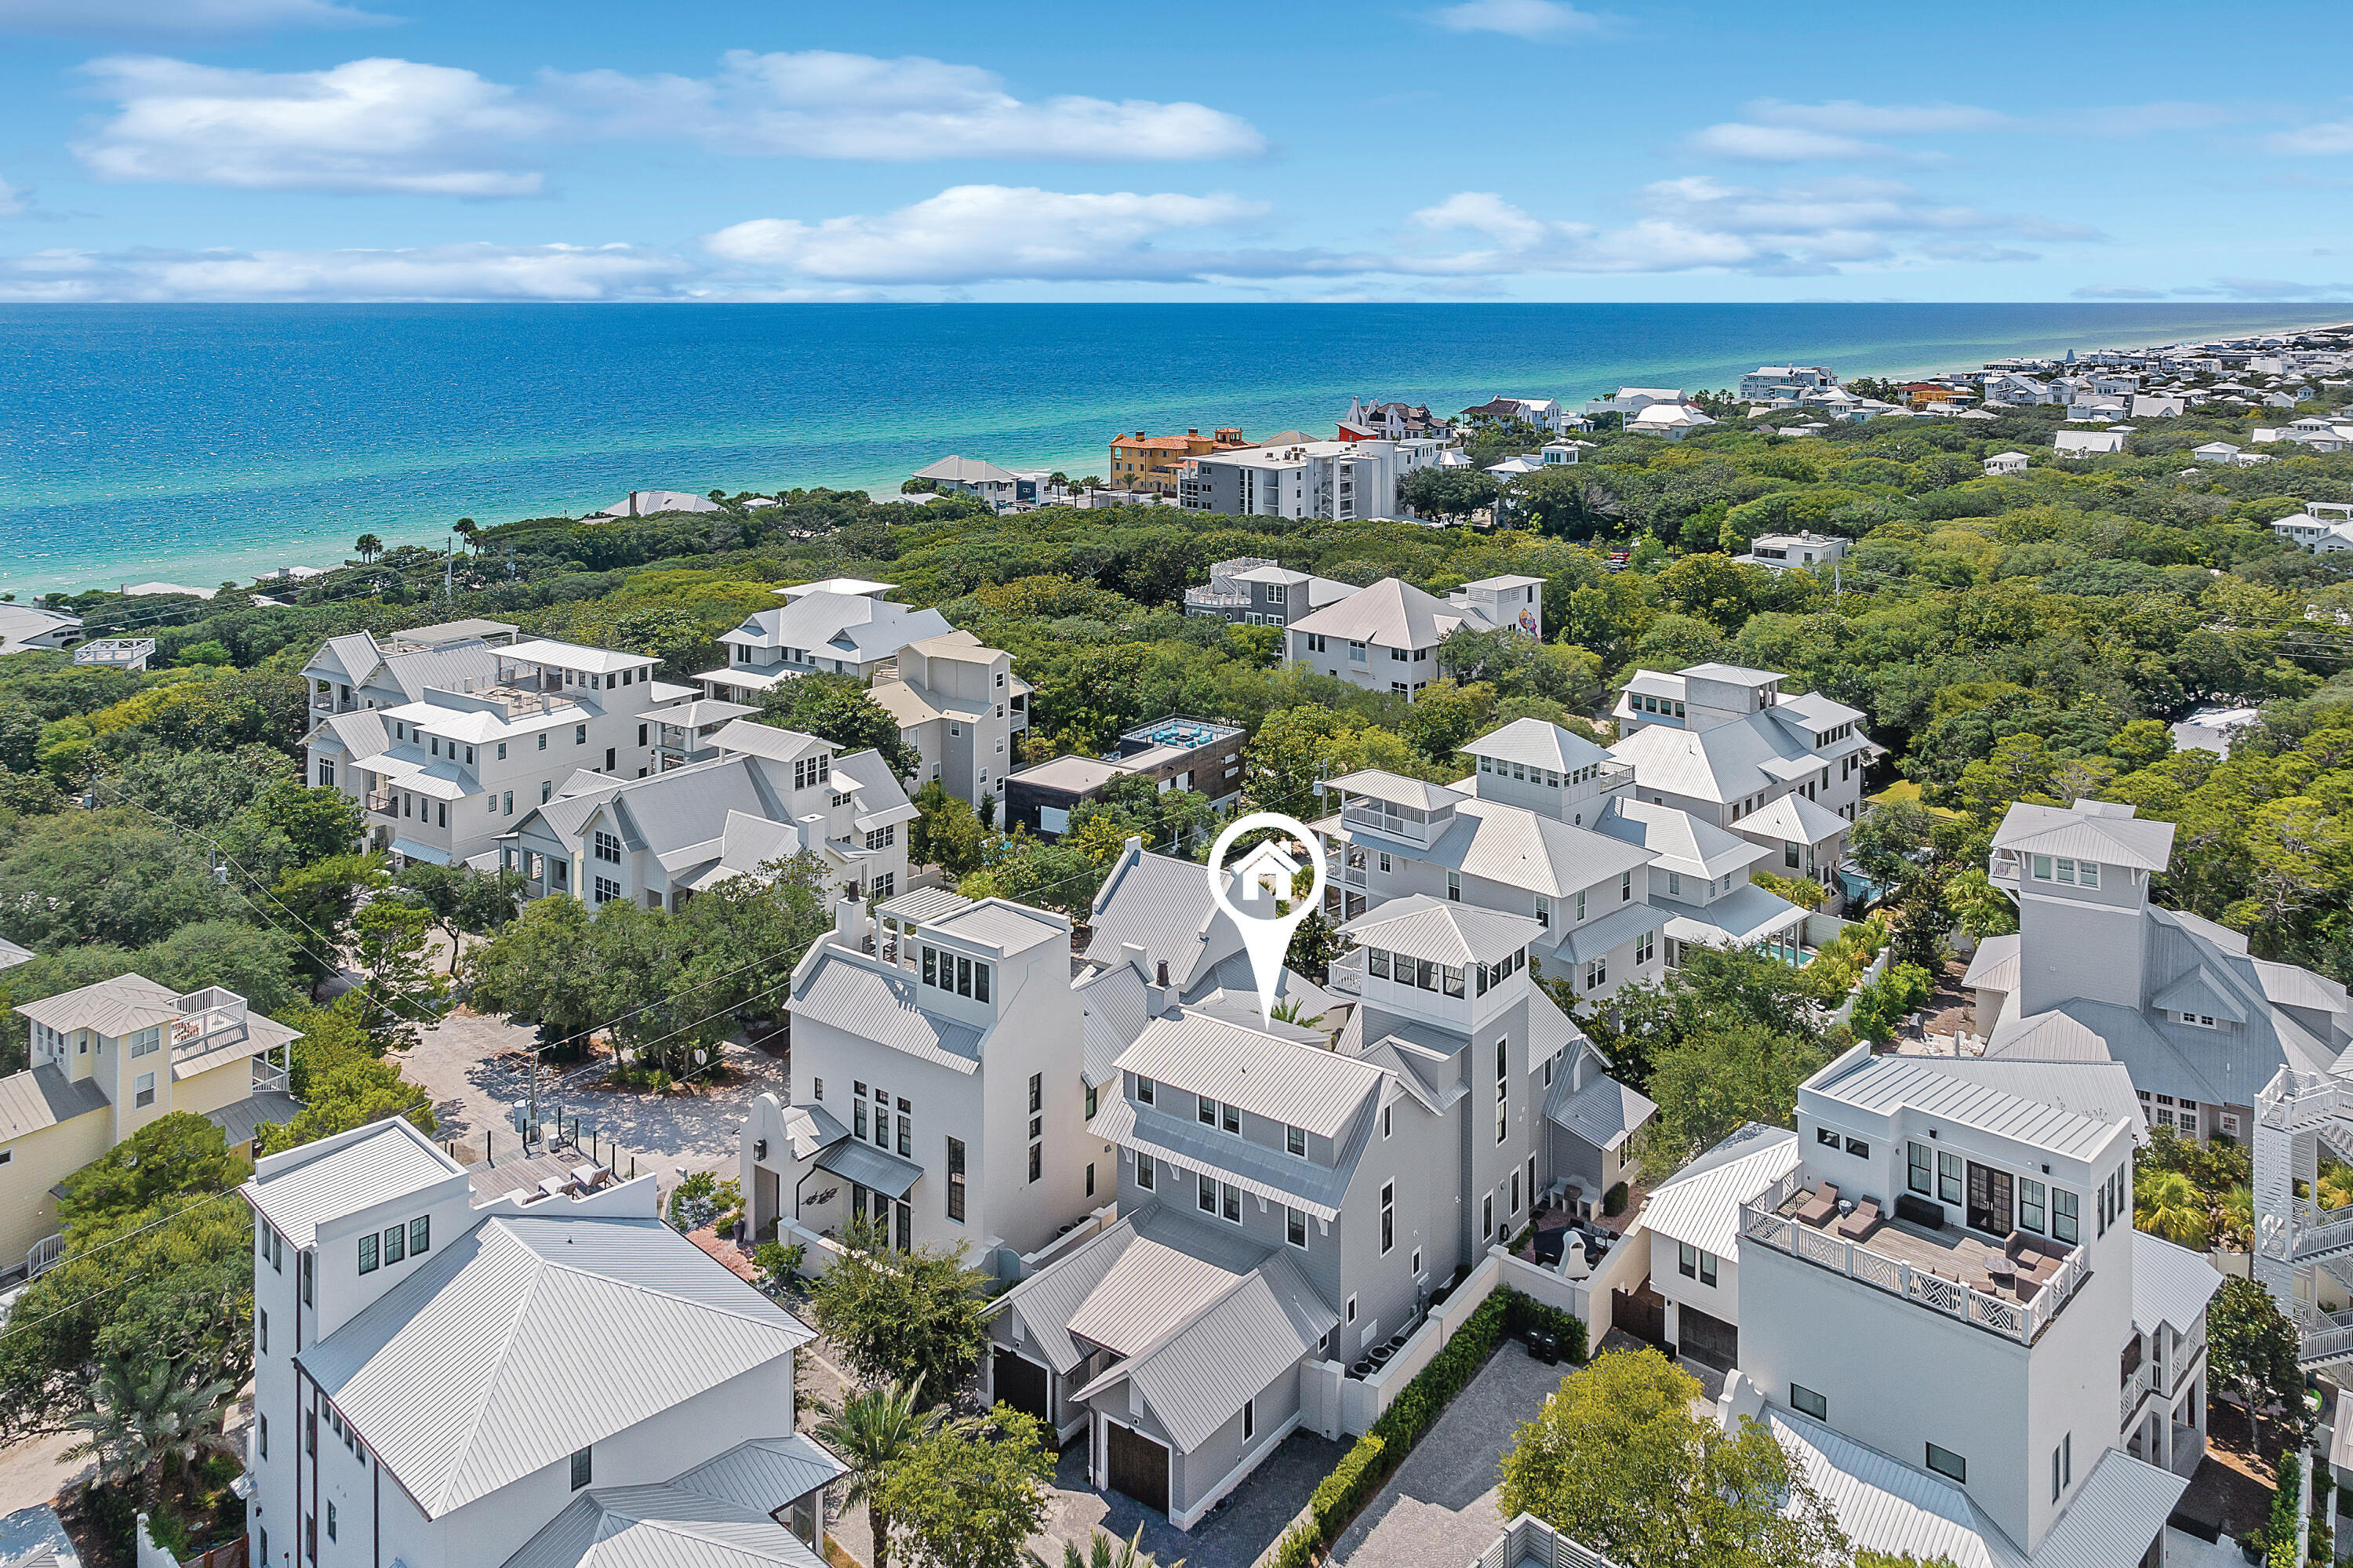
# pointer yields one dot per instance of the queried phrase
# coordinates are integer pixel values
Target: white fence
(1362, 1400)
(1529, 1542)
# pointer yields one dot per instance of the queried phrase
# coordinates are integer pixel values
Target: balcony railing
(2021, 1320)
(384, 805)
(2136, 1388)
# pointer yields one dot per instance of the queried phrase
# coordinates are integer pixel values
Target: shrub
(1527, 1316)
(1349, 1487)
(1297, 1547)
(2280, 1529)
(1613, 1202)
(1420, 1403)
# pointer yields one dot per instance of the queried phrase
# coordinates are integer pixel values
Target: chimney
(1160, 971)
(1133, 953)
(850, 925)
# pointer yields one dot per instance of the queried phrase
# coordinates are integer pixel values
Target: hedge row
(2286, 1498)
(1376, 1457)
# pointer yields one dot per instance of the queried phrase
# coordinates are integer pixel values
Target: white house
(937, 1049)
(2087, 443)
(647, 503)
(961, 706)
(457, 1366)
(1385, 637)
(1790, 552)
(2210, 729)
(1913, 1289)
(2005, 463)
(1786, 383)
(24, 626)
(973, 476)
(2322, 526)
(1672, 421)
(842, 626)
(2145, 406)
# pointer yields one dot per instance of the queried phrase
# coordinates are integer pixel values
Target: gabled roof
(1701, 1204)
(753, 738)
(1163, 905)
(966, 470)
(1538, 743)
(1376, 784)
(11, 955)
(2089, 830)
(1392, 613)
(1728, 762)
(1442, 931)
(1794, 819)
(1604, 1113)
(2171, 1284)
(1001, 923)
(464, 1378)
(847, 626)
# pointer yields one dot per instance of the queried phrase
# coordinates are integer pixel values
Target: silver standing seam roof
(1885, 1085)
(1442, 931)
(862, 999)
(716, 1515)
(463, 1378)
(335, 1176)
(44, 1096)
(1265, 1074)
(1164, 906)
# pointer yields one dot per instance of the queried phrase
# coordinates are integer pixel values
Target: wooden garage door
(1139, 1467)
(1021, 1383)
(1711, 1341)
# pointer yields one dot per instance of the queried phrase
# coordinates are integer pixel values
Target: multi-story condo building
(1933, 1293)
(842, 626)
(490, 729)
(1287, 1204)
(1333, 480)
(1256, 591)
(961, 706)
(107, 1060)
(1384, 638)
(1151, 464)
(937, 1049)
(423, 1394)
(1724, 743)
(2097, 971)
(766, 794)
(1785, 383)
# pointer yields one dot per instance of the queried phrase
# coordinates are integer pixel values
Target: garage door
(1022, 1384)
(1711, 1341)
(1139, 1467)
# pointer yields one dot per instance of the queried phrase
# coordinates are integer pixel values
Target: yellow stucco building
(107, 1060)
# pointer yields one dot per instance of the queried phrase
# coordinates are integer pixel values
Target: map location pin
(1265, 876)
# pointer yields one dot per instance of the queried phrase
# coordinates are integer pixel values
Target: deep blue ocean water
(197, 443)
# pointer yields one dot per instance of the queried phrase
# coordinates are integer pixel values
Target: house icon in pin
(1265, 871)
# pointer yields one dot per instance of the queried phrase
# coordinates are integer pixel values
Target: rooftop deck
(1945, 1269)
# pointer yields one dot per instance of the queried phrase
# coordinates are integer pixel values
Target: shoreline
(310, 542)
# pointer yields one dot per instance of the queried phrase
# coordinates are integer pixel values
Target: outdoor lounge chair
(1858, 1225)
(1819, 1208)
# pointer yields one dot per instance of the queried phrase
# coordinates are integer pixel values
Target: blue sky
(1489, 148)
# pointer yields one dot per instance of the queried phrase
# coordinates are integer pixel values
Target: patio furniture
(2003, 1271)
(1920, 1210)
(1819, 1208)
(1858, 1225)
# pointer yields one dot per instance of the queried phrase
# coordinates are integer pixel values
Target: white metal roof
(557, 655)
(1537, 743)
(2089, 830)
(2171, 1284)
(1378, 784)
(1886, 1505)
(717, 1515)
(1001, 923)
(114, 1008)
(1282, 1080)
(1884, 1086)
(1443, 932)
(1701, 1204)
(300, 1189)
(468, 1375)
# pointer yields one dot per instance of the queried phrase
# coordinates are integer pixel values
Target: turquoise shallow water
(198, 444)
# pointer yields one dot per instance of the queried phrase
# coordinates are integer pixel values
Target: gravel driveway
(475, 1067)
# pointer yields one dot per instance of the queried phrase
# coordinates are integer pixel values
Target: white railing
(45, 1255)
(2136, 1388)
(2326, 1336)
(1528, 1542)
(2020, 1321)
(2317, 1230)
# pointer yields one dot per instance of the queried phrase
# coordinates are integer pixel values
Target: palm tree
(368, 545)
(871, 1431)
(466, 529)
(145, 1419)
(1105, 1553)
(2169, 1205)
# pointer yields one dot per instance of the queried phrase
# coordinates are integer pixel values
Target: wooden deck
(1950, 1251)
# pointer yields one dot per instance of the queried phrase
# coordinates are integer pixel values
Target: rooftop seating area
(2011, 1290)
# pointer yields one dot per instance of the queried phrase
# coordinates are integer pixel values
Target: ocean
(197, 443)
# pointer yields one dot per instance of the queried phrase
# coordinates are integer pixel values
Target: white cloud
(177, 16)
(1845, 117)
(367, 125)
(823, 104)
(13, 202)
(563, 273)
(1699, 223)
(1520, 18)
(1782, 144)
(2328, 139)
(971, 234)
(2272, 288)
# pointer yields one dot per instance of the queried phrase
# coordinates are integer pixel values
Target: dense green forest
(2026, 637)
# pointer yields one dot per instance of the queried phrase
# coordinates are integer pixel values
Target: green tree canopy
(971, 1495)
(1617, 1460)
(912, 1317)
(837, 708)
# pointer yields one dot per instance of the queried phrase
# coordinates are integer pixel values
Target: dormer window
(2198, 1020)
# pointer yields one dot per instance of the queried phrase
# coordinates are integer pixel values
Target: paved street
(475, 1067)
(1438, 1511)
